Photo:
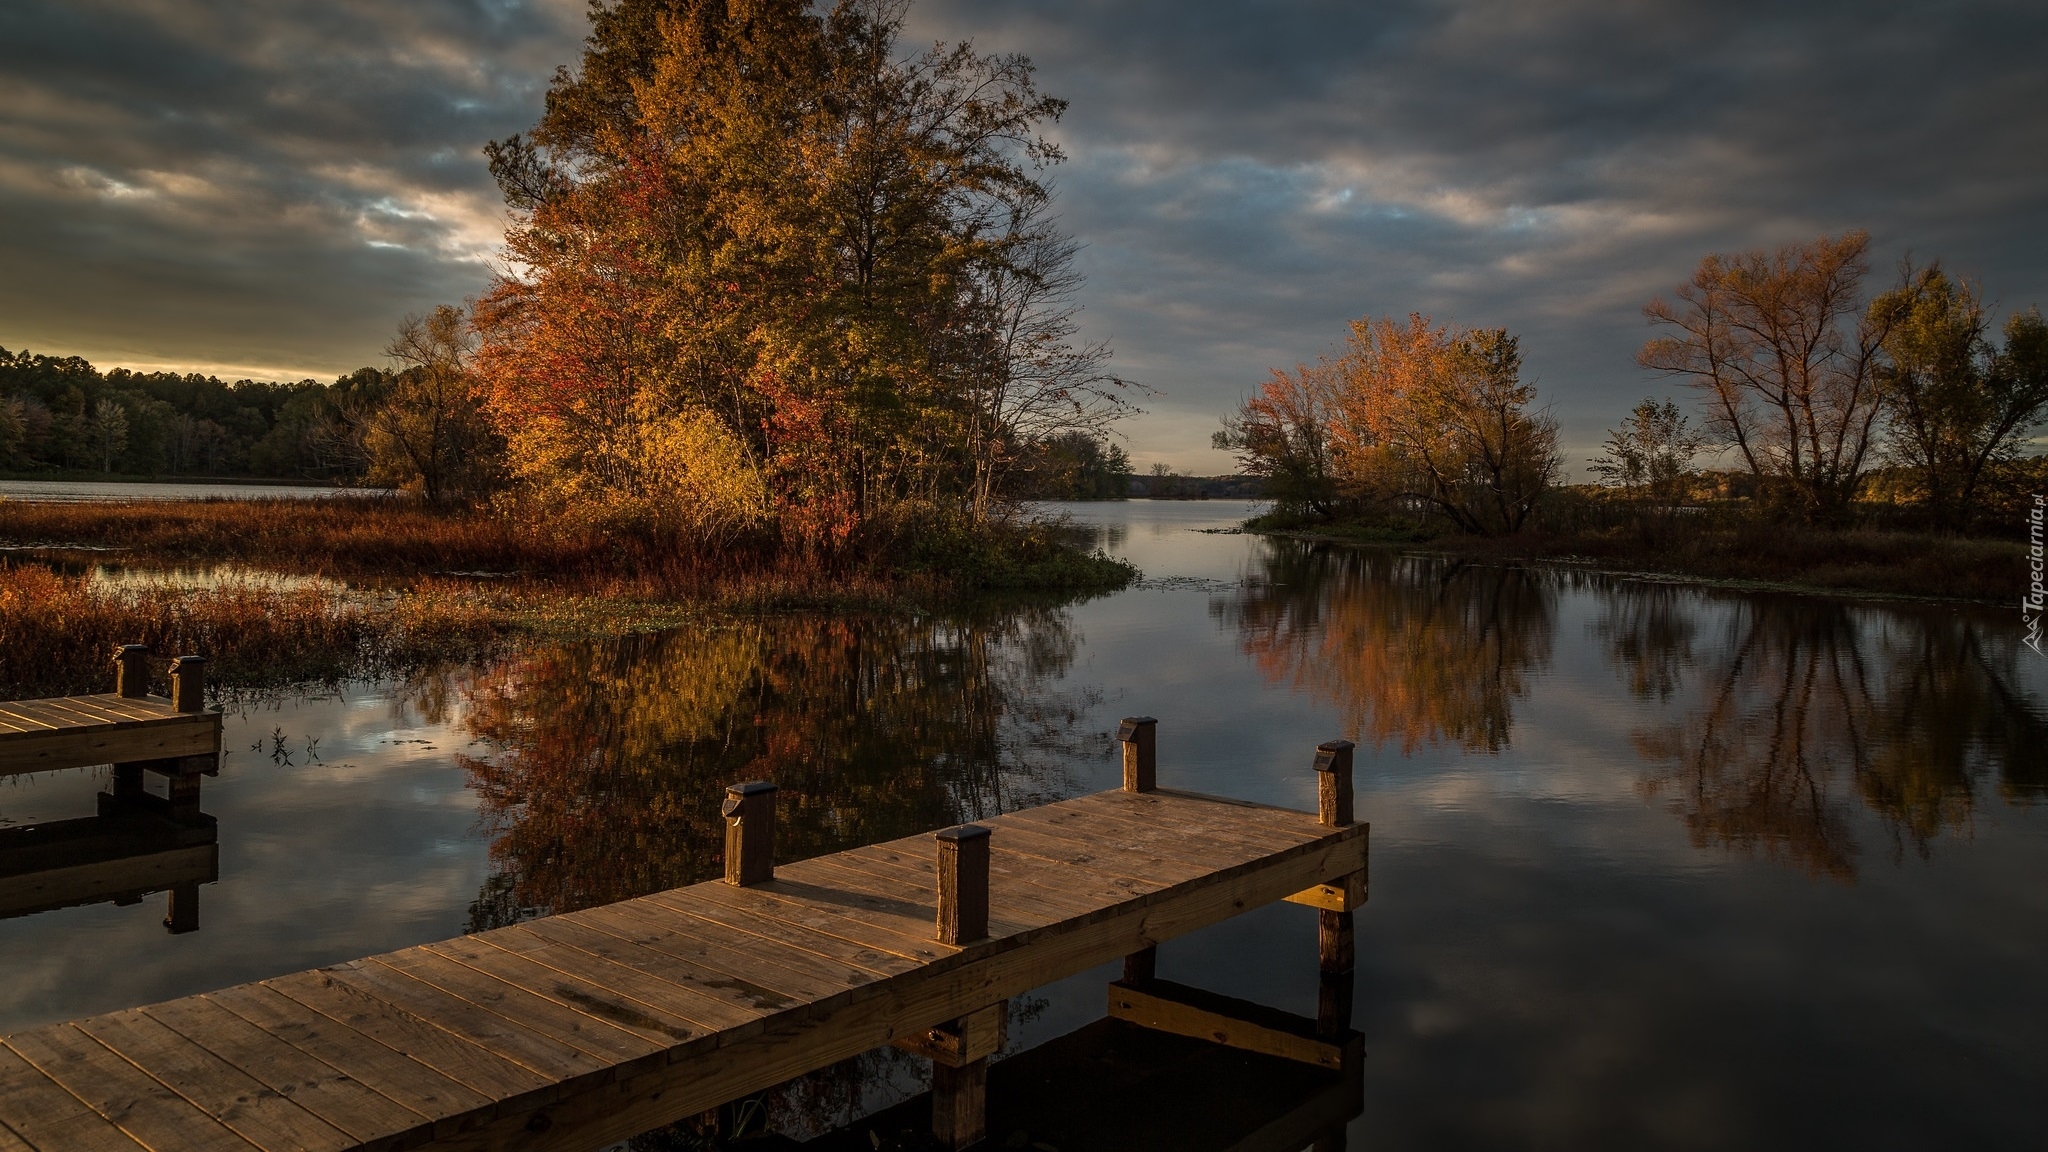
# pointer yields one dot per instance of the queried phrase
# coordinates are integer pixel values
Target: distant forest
(63, 414)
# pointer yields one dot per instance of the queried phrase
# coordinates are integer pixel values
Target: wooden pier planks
(592, 1026)
(74, 731)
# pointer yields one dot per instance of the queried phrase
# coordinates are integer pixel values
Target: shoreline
(1484, 550)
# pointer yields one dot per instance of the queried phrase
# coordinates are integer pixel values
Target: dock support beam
(749, 832)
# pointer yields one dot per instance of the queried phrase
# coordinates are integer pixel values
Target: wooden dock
(138, 843)
(593, 1026)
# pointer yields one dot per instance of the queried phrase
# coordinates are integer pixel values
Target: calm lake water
(100, 492)
(1652, 865)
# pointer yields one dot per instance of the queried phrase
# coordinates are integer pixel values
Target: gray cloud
(270, 186)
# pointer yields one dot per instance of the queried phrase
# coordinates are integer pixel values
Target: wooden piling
(1333, 782)
(960, 1104)
(963, 884)
(182, 913)
(1336, 936)
(749, 832)
(131, 671)
(1140, 738)
(188, 684)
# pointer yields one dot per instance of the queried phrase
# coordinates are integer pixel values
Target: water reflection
(606, 762)
(1412, 650)
(1769, 723)
(1806, 708)
(138, 845)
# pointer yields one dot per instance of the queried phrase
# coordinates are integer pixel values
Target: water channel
(1653, 864)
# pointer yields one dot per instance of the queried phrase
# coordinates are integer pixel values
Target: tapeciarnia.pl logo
(2036, 598)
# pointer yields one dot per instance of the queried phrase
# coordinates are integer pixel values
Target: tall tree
(1281, 434)
(426, 432)
(759, 212)
(1440, 415)
(1786, 354)
(1957, 404)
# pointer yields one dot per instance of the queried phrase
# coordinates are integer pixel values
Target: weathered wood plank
(254, 1111)
(390, 1073)
(44, 1113)
(538, 1029)
(791, 938)
(41, 751)
(655, 1019)
(337, 1098)
(456, 1039)
(789, 903)
(735, 1006)
(136, 1102)
(745, 968)
(460, 1060)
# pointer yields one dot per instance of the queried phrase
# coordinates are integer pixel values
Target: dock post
(188, 684)
(131, 681)
(960, 1088)
(1336, 938)
(182, 915)
(749, 832)
(963, 884)
(1140, 738)
(131, 670)
(1335, 944)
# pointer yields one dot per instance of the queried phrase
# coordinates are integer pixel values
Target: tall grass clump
(58, 631)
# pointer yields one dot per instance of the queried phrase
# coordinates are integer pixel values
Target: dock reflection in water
(119, 856)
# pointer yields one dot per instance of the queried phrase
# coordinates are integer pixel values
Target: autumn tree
(1281, 434)
(1441, 415)
(427, 432)
(759, 221)
(1956, 403)
(1785, 353)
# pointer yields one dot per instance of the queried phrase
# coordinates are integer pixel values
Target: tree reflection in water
(1787, 719)
(1419, 650)
(1807, 706)
(604, 763)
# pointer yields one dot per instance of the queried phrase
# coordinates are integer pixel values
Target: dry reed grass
(381, 538)
(57, 632)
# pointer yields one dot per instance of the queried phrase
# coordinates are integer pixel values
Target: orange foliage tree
(759, 215)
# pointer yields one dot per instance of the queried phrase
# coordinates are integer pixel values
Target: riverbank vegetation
(1869, 443)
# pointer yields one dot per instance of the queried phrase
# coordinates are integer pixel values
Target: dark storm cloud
(1250, 176)
(265, 184)
(255, 186)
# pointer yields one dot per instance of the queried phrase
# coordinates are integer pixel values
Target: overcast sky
(262, 188)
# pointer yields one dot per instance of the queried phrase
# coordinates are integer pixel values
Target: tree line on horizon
(1823, 402)
(61, 413)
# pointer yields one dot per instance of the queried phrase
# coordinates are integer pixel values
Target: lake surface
(1653, 865)
(93, 491)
